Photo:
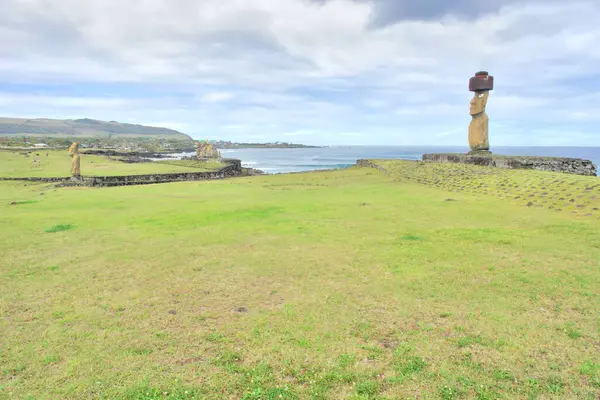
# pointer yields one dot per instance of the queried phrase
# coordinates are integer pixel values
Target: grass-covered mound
(578, 195)
(197, 164)
(329, 285)
(18, 164)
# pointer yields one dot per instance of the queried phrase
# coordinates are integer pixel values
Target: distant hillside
(82, 127)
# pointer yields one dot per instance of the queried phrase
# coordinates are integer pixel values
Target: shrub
(59, 228)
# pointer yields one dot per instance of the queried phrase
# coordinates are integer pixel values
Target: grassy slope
(14, 164)
(326, 285)
(578, 195)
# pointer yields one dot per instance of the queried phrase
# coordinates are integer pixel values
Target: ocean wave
(283, 169)
(322, 166)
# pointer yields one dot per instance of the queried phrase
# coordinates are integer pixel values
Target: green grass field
(349, 284)
(14, 164)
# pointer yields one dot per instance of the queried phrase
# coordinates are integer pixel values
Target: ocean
(273, 161)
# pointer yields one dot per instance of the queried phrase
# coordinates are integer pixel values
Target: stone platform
(232, 169)
(575, 166)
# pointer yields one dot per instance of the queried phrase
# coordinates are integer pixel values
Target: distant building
(40, 145)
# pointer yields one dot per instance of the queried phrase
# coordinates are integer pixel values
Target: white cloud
(66, 102)
(216, 97)
(268, 67)
(299, 133)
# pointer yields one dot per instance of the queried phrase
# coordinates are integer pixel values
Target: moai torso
(478, 129)
(75, 160)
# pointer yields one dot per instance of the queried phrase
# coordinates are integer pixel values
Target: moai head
(480, 84)
(74, 149)
(478, 103)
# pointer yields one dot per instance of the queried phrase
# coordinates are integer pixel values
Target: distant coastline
(276, 145)
(283, 161)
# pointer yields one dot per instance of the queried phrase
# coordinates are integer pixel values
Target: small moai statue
(76, 161)
(205, 150)
(199, 150)
(480, 84)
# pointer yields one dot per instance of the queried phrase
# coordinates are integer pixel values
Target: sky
(324, 72)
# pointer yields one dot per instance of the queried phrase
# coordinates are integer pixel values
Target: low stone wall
(140, 154)
(234, 168)
(35, 179)
(575, 166)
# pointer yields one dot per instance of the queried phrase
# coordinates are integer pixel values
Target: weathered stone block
(481, 81)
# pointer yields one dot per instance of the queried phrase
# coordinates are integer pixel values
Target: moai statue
(200, 150)
(76, 161)
(205, 150)
(480, 84)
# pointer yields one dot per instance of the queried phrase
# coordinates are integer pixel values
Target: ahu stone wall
(232, 169)
(575, 166)
(558, 192)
